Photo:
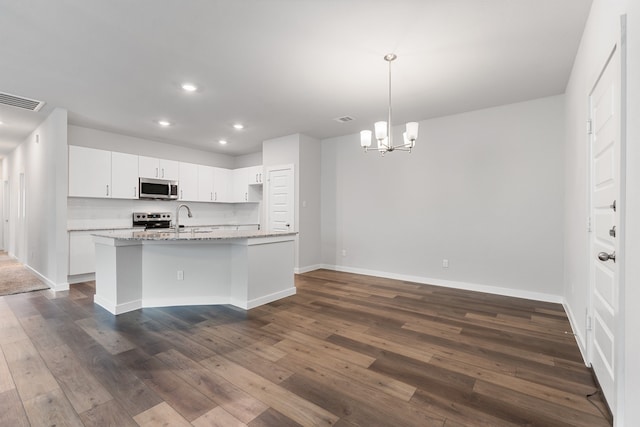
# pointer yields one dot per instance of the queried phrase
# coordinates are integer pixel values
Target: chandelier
(383, 129)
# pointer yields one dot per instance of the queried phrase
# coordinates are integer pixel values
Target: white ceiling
(279, 66)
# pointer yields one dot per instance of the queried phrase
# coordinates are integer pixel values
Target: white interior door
(604, 102)
(280, 199)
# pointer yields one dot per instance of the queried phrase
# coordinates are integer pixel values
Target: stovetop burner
(150, 220)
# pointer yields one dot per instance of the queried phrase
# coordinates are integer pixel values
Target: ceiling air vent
(343, 119)
(20, 102)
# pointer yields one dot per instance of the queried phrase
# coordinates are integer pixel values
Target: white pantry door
(280, 198)
(604, 103)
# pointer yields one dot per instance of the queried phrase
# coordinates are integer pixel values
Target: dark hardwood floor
(347, 350)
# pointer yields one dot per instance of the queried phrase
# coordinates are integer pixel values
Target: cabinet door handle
(181, 194)
(135, 191)
(246, 196)
(257, 178)
(163, 172)
(211, 196)
(157, 173)
(107, 189)
(260, 177)
(216, 196)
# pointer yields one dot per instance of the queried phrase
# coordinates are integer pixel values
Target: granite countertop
(93, 228)
(192, 234)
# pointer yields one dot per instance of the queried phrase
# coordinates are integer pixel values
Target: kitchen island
(244, 268)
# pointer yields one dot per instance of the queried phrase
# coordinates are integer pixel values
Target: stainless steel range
(150, 220)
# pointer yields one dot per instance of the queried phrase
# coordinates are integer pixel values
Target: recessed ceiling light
(238, 126)
(189, 87)
(1, 123)
(222, 141)
(164, 123)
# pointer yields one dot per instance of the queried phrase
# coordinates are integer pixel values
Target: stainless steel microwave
(158, 189)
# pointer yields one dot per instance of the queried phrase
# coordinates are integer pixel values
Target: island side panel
(205, 276)
(270, 264)
(118, 275)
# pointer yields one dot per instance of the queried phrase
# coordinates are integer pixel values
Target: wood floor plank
(261, 366)
(314, 344)
(11, 410)
(357, 402)
(186, 400)
(233, 399)
(80, 386)
(39, 332)
(51, 409)
(111, 340)
(270, 418)
(539, 391)
(218, 417)
(29, 372)
(547, 413)
(422, 354)
(107, 414)
(290, 404)
(6, 381)
(161, 415)
(10, 328)
(352, 371)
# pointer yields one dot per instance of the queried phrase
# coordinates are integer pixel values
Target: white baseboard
(174, 302)
(308, 268)
(79, 278)
(580, 340)
(53, 286)
(117, 308)
(266, 299)
(517, 293)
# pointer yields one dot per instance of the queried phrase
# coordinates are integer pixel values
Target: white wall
(246, 160)
(94, 138)
(303, 152)
(601, 33)
(308, 204)
(481, 189)
(39, 240)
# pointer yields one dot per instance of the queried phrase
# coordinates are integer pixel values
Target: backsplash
(106, 213)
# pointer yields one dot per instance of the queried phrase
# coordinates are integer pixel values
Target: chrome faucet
(178, 215)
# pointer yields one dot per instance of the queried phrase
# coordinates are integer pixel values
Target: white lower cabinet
(82, 251)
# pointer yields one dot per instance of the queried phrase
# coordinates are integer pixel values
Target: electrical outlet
(344, 252)
(180, 274)
(445, 263)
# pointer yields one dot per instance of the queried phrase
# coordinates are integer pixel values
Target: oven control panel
(152, 219)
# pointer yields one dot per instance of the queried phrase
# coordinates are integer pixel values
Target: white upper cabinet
(205, 184)
(124, 176)
(247, 186)
(254, 175)
(150, 167)
(240, 187)
(89, 172)
(106, 174)
(222, 184)
(188, 182)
